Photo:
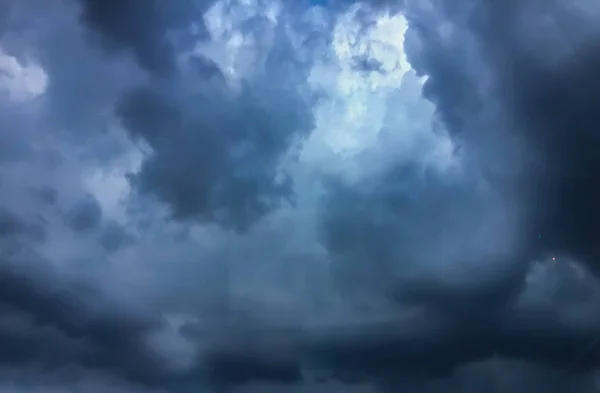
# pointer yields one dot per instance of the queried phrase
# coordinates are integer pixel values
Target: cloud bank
(316, 196)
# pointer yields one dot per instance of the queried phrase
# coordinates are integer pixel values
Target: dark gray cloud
(54, 324)
(85, 214)
(153, 31)
(533, 64)
(228, 143)
(114, 236)
(231, 141)
(407, 274)
(12, 225)
(523, 113)
(47, 195)
(231, 151)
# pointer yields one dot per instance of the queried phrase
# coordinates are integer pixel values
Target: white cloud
(21, 81)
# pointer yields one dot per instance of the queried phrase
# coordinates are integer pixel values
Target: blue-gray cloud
(230, 263)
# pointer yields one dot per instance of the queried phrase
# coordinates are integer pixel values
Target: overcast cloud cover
(326, 196)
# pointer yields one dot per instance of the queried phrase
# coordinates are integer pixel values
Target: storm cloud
(317, 196)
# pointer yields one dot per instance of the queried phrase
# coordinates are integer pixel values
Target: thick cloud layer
(143, 28)
(52, 325)
(232, 140)
(259, 195)
(525, 116)
(544, 83)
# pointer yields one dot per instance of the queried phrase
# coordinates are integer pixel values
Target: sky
(299, 196)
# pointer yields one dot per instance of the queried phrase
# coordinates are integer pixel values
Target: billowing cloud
(144, 29)
(524, 67)
(50, 326)
(326, 196)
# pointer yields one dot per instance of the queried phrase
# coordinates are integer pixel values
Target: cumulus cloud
(532, 59)
(259, 195)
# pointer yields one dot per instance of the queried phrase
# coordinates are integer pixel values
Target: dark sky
(262, 195)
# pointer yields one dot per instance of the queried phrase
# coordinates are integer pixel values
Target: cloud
(54, 324)
(114, 236)
(527, 66)
(459, 245)
(232, 138)
(234, 147)
(244, 196)
(146, 29)
(85, 214)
